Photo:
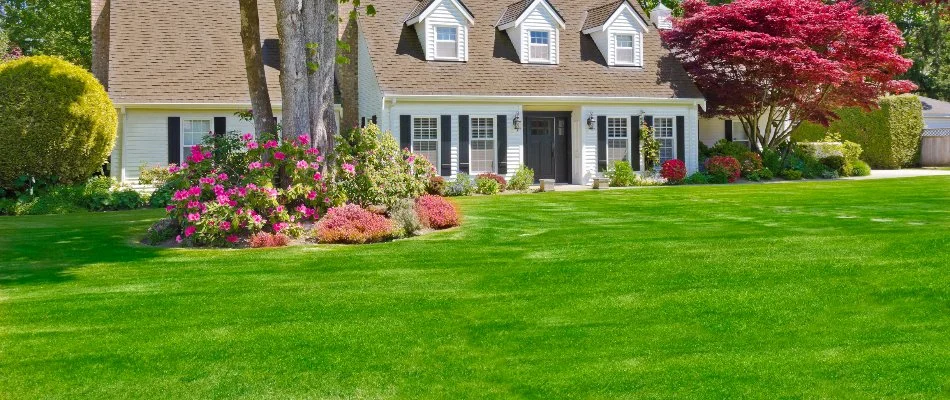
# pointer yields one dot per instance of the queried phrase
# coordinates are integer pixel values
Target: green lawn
(815, 290)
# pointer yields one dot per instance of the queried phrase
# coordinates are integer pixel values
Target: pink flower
(312, 151)
(257, 219)
(279, 227)
(312, 195)
(349, 168)
(303, 140)
(233, 238)
(270, 144)
(411, 159)
(169, 208)
(223, 177)
(320, 159)
(173, 169)
(247, 137)
(194, 204)
(302, 164)
(190, 231)
(252, 145)
(207, 181)
(178, 239)
(225, 226)
(194, 217)
(254, 165)
(302, 209)
(280, 156)
(184, 165)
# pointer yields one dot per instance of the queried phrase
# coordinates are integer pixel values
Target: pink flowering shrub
(265, 239)
(370, 169)
(218, 208)
(353, 224)
(437, 212)
(674, 171)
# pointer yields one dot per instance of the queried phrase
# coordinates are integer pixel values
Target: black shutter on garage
(602, 143)
(502, 142)
(220, 126)
(463, 140)
(174, 140)
(680, 138)
(635, 142)
(405, 132)
(728, 130)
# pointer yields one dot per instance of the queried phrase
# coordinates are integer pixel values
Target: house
(474, 85)
(936, 113)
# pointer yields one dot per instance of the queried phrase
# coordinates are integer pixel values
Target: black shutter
(374, 121)
(680, 138)
(174, 140)
(463, 140)
(635, 143)
(362, 122)
(602, 143)
(728, 130)
(446, 155)
(502, 142)
(648, 119)
(220, 126)
(405, 132)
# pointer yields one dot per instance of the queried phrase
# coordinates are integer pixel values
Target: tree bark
(254, 64)
(321, 23)
(294, 69)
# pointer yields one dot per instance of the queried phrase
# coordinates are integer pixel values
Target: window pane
(483, 128)
(446, 50)
(446, 33)
(617, 127)
(624, 56)
(625, 41)
(540, 38)
(425, 129)
(616, 151)
(540, 52)
(663, 128)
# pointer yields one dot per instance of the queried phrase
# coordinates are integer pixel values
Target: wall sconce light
(516, 122)
(591, 121)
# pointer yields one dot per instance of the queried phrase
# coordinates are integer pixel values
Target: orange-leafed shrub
(354, 225)
(265, 239)
(437, 212)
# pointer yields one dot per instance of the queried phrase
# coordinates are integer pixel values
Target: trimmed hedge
(890, 135)
(56, 121)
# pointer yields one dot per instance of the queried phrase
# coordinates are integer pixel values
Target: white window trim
(673, 126)
(494, 140)
(458, 40)
(629, 137)
(551, 45)
(438, 138)
(636, 60)
(181, 135)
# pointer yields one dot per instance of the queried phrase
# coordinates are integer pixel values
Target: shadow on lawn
(46, 249)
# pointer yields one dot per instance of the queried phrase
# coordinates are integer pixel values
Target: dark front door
(547, 144)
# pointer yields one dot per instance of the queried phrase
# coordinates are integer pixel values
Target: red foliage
(801, 55)
(264, 239)
(353, 224)
(502, 183)
(725, 167)
(673, 171)
(437, 212)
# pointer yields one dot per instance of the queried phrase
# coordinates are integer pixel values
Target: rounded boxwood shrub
(57, 120)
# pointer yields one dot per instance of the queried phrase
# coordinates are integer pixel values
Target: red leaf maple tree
(773, 64)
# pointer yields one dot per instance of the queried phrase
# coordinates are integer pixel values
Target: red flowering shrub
(353, 224)
(264, 239)
(722, 169)
(437, 213)
(751, 163)
(502, 183)
(674, 171)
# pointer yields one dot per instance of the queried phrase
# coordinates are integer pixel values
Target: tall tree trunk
(293, 68)
(254, 64)
(321, 23)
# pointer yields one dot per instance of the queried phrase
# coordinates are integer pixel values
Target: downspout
(125, 120)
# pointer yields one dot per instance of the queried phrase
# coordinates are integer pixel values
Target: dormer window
(534, 27)
(443, 27)
(617, 29)
(446, 42)
(661, 16)
(540, 47)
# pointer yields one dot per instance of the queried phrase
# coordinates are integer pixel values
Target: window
(663, 131)
(446, 42)
(540, 46)
(425, 138)
(624, 54)
(483, 145)
(193, 131)
(738, 134)
(618, 139)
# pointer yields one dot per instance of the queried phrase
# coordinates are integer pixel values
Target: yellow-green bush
(890, 135)
(56, 120)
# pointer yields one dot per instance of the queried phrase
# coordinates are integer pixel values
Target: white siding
(936, 122)
(144, 136)
(370, 96)
(515, 138)
(445, 14)
(625, 23)
(537, 19)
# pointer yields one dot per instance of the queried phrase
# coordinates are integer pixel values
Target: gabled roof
(933, 107)
(495, 69)
(423, 8)
(515, 13)
(599, 17)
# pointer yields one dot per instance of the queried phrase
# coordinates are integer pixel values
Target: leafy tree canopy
(49, 27)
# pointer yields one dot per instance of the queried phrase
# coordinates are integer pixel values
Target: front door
(548, 145)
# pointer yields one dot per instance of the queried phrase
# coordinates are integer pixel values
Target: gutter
(544, 99)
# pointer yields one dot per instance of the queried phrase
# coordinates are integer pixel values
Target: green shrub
(522, 180)
(436, 185)
(371, 169)
(463, 185)
(487, 186)
(405, 220)
(697, 178)
(728, 149)
(772, 159)
(791, 174)
(834, 163)
(162, 196)
(860, 168)
(621, 175)
(57, 121)
(156, 175)
(889, 136)
(97, 193)
(163, 230)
